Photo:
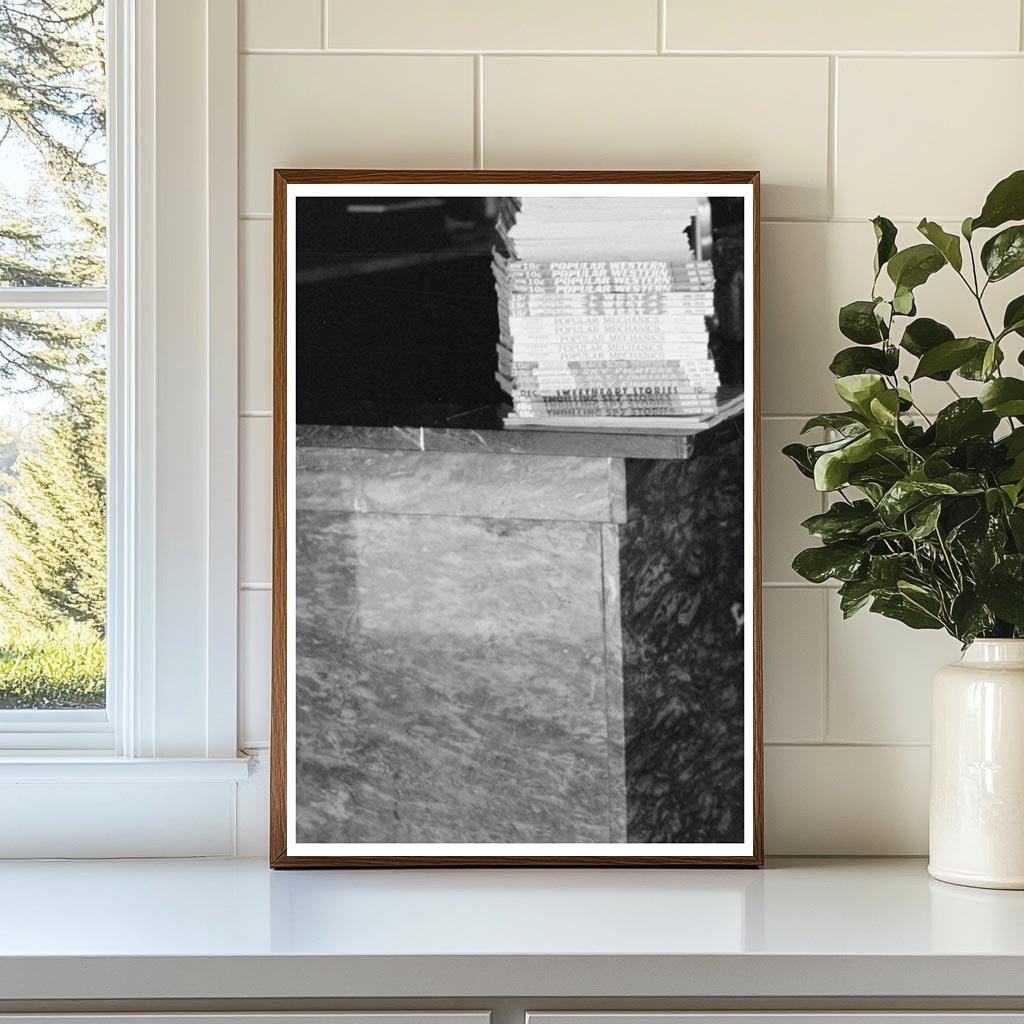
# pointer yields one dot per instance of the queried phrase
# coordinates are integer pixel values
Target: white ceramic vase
(976, 814)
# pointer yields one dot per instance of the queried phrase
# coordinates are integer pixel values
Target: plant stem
(988, 326)
(974, 269)
(913, 404)
(954, 568)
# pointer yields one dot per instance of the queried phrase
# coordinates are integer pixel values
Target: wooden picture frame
(285, 850)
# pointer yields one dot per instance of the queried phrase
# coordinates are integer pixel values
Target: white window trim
(78, 731)
(172, 500)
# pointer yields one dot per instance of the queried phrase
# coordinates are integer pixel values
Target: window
(147, 158)
(53, 364)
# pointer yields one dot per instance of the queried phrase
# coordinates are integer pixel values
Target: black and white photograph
(515, 560)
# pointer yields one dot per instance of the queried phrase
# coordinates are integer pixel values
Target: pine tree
(53, 519)
(52, 234)
(53, 122)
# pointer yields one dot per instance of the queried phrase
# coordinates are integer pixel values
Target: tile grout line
(832, 148)
(829, 585)
(662, 26)
(260, 215)
(259, 51)
(323, 24)
(825, 648)
(851, 744)
(478, 111)
(824, 724)
(1020, 25)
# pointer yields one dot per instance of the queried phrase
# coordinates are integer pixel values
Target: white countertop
(234, 929)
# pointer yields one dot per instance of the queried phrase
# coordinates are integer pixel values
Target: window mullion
(53, 298)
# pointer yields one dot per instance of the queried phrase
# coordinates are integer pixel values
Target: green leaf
(1005, 597)
(964, 481)
(965, 229)
(970, 617)
(1004, 397)
(817, 450)
(885, 409)
(921, 597)
(906, 494)
(979, 452)
(1013, 317)
(966, 417)
(1003, 254)
(1005, 202)
(912, 267)
(831, 471)
(950, 355)
(857, 321)
(1014, 473)
(800, 456)
(841, 421)
(947, 244)
(872, 491)
(1015, 518)
(903, 302)
(841, 561)
(887, 570)
(990, 360)
(925, 518)
(925, 334)
(994, 499)
(974, 368)
(849, 361)
(899, 608)
(1013, 485)
(935, 466)
(887, 469)
(855, 594)
(885, 237)
(864, 446)
(842, 521)
(858, 389)
(982, 538)
(1014, 441)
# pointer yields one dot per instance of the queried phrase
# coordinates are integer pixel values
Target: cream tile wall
(908, 109)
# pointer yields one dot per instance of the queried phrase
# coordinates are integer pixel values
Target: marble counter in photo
(518, 638)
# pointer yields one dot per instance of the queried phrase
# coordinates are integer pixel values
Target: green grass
(62, 667)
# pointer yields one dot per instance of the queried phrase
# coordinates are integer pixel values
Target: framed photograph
(516, 613)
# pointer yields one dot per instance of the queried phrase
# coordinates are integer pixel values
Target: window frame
(66, 730)
(173, 467)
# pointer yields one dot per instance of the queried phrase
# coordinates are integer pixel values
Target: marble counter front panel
(452, 683)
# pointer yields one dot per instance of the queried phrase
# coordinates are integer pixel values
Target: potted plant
(926, 521)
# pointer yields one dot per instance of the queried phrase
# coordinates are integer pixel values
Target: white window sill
(77, 766)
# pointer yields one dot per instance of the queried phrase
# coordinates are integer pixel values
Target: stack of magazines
(602, 306)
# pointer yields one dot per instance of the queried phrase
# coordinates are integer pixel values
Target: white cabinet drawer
(360, 1017)
(789, 1017)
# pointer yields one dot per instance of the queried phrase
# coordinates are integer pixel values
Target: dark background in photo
(396, 313)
